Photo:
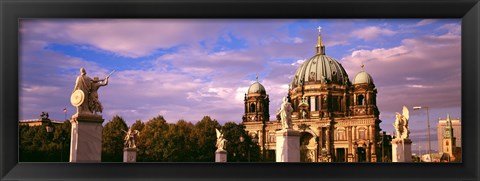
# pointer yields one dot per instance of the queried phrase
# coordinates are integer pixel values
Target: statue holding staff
(95, 104)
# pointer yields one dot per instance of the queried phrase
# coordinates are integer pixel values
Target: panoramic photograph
(240, 90)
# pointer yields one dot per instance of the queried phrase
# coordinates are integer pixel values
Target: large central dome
(320, 69)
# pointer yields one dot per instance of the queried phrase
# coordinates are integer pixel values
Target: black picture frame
(11, 11)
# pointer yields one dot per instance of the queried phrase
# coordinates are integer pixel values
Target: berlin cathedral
(338, 119)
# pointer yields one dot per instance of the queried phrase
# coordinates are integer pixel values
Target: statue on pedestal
(285, 114)
(401, 124)
(130, 138)
(220, 141)
(85, 96)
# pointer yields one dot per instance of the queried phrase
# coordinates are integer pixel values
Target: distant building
(457, 132)
(38, 122)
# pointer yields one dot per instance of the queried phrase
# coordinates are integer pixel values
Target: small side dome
(363, 78)
(256, 87)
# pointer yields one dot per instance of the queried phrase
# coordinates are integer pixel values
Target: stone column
(355, 149)
(374, 146)
(367, 152)
(86, 138)
(130, 154)
(327, 140)
(350, 144)
(288, 146)
(401, 150)
(220, 156)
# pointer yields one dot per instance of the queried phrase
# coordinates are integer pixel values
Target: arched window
(252, 107)
(360, 100)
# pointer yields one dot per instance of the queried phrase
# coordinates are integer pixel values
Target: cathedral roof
(363, 77)
(256, 87)
(320, 68)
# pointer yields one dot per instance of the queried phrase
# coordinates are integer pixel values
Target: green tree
(138, 125)
(37, 145)
(205, 139)
(152, 141)
(240, 150)
(61, 138)
(180, 143)
(112, 140)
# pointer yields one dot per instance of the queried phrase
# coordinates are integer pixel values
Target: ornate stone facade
(338, 120)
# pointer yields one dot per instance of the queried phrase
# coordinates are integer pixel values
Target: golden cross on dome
(319, 29)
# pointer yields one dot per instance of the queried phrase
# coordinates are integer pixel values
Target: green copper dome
(363, 78)
(256, 87)
(320, 69)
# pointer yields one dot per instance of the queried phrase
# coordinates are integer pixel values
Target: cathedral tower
(448, 139)
(256, 104)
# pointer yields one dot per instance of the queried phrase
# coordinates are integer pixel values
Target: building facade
(38, 122)
(338, 119)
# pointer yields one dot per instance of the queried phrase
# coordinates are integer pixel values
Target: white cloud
(412, 78)
(426, 22)
(452, 28)
(371, 32)
(432, 62)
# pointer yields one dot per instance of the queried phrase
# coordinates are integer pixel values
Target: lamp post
(255, 141)
(62, 145)
(420, 150)
(65, 111)
(242, 139)
(428, 126)
(249, 146)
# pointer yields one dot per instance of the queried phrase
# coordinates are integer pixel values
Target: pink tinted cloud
(371, 32)
(129, 38)
(421, 71)
(426, 22)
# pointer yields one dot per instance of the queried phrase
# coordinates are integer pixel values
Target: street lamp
(65, 111)
(428, 126)
(250, 146)
(62, 139)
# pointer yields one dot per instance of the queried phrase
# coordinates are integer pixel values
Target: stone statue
(220, 141)
(81, 91)
(85, 96)
(130, 138)
(304, 114)
(285, 113)
(44, 115)
(401, 124)
(94, 103)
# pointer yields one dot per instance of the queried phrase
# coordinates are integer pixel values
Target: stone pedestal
(220, 156)
(288, 146)
(86, 138)
(401, 150)
(350, 158)
(130, 155)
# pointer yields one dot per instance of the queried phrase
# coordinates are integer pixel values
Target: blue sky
(185, 69)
